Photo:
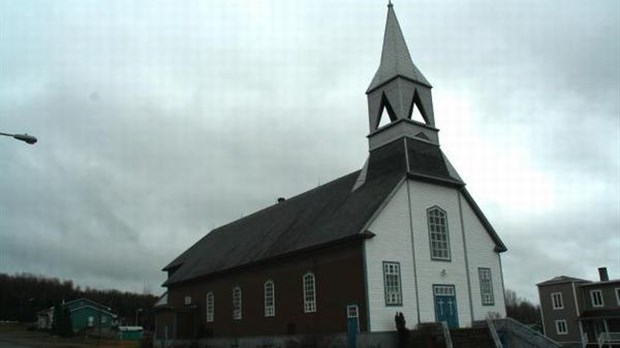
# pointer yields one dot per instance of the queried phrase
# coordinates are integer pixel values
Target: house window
(560, 327)
(309, 293)
(556, 300)
(188, 300)
(438, 234)
(486, 286)
(103, 319)
(210, 307)
(236, 302)
(270, 307)
(391, 282)
(597, 298)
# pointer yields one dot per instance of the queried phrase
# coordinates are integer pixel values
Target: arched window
(210, 307)
(236, 303)
(438, 234)
(270, 299)
(309, 293)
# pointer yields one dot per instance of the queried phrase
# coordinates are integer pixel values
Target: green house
(87, 314)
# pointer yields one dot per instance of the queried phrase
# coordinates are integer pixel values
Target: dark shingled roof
(327, 214)
(563, 279)
(604, 313)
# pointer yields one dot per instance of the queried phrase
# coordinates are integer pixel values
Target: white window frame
(561, 327)
(438, 234)
(353, 313)
(309, 285)
(486, 286)
(270, 298)
(392, 284)
(210, 307)
(187, 300)
(237, 303)
(594, 296)
(559, 304)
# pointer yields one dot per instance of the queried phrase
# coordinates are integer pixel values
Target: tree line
(521, 309)
(23, 295)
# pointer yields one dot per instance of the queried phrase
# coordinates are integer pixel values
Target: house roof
(605, 313)
(79, 302)
(98, 309)
(395, 57)
(563, 279)
(604, 282)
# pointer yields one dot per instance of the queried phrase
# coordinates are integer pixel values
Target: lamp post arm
(23, 137)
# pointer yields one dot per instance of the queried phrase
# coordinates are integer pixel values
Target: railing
(521, 335)
(608, 338)
(494, 335)
(446, 334)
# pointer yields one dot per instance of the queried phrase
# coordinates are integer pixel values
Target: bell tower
(399, 144)
(396, 89)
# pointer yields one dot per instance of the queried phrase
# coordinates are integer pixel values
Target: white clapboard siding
(402, 231)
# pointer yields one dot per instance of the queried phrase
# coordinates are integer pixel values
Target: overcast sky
(161, 120)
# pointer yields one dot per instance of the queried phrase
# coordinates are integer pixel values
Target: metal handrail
(608, 337)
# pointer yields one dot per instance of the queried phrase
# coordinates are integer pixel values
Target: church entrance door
(445, 305)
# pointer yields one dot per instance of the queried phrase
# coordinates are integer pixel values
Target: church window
(309, 293)
(438, 234)
(236, 302)
(391, 281)
(270, 306)
(597, 298)
(486, 286)
(556, 300)
(210, 307)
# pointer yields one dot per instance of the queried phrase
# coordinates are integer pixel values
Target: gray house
(581, 313)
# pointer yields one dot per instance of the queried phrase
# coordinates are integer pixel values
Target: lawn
(19, 334)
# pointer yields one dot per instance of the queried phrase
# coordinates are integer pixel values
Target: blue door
(352, 325)
(445, 305)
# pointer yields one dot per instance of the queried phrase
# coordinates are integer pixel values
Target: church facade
(400, 235)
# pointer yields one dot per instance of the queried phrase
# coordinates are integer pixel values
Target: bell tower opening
(386, 113)
(417, 111)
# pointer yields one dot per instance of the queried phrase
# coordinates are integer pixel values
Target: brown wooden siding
(568, 313)
(339, 273)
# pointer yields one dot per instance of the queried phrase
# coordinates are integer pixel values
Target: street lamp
(23, 137)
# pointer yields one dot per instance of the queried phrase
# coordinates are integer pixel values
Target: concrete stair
(427, 335)
(472, 338)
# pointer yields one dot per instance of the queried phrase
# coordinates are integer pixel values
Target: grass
(19, 334)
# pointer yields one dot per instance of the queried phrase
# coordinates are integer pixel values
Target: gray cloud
(158, 122)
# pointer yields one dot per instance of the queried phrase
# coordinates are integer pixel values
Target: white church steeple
(396, 89)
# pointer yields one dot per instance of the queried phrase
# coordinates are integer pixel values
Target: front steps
(436, 335)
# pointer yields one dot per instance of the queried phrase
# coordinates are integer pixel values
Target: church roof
(328, 214)
(395, 57)
(324, 215)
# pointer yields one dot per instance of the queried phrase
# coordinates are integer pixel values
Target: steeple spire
(395, 57)
(397, 88)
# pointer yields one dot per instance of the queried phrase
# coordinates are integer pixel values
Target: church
(402, 234)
